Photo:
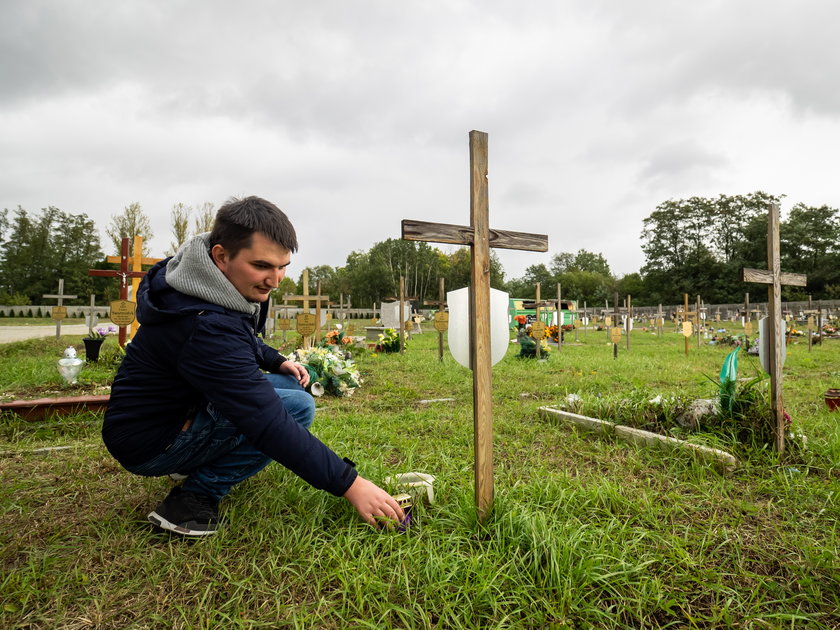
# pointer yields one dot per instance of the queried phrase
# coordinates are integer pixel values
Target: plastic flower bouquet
(389, 341)
(335, 338)
(329, 367)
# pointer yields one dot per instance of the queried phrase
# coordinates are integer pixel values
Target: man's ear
(219, 255)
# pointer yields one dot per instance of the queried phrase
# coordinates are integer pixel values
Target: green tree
(697, 245)
(582, 261)
(456, 269)
(132, 222)
(43, 248)
(810, 244)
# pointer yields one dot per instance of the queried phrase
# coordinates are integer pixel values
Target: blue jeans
(212, 451)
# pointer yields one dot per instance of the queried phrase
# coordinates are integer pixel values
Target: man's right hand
(373, 504)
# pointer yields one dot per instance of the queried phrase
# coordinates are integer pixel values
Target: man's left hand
(296, 370)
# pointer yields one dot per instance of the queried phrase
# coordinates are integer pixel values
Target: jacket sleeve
(222, 361)
(270, 360)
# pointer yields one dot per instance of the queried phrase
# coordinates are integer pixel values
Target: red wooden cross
(123, 273)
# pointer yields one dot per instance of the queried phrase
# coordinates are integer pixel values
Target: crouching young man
(201, 398)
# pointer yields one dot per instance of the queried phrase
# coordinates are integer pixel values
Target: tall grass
(586, 532)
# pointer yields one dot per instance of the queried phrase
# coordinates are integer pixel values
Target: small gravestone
(390, 315)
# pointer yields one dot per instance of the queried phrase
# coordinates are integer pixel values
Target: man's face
(255, 270)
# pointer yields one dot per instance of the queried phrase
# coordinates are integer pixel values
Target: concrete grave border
(721, 460)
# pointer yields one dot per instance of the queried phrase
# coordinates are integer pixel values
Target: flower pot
(832, 399)
(92, 347)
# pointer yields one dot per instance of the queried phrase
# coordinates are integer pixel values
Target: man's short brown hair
(238, 219)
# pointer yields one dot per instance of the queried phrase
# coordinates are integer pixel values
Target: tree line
(696, 246)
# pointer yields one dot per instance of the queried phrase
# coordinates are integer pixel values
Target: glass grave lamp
(69, 366)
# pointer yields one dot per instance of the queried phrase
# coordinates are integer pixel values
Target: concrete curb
(721, 460)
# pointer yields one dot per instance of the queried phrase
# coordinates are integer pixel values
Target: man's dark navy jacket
(188, 352)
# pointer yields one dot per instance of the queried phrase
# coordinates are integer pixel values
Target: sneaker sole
(157, 520)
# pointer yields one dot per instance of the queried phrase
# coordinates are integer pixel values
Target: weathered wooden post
(480, 238)
(627, 322)
(441, 317)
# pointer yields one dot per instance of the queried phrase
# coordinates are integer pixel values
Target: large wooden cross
(480, 239)
(59, 311)
(137, 262)
(306, 328)
(775, 278)
(123, 273)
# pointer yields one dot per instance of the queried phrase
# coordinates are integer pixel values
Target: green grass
(587, 532)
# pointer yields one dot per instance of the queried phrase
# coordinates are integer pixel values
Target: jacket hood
(158, 302)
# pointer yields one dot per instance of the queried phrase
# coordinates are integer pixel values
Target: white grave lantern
(458, 335)
(764, 343)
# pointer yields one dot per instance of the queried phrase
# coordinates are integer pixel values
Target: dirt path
(19, 333)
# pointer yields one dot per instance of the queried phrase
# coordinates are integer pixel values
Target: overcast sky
(351, 116)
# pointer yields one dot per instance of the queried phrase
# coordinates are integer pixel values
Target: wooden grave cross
(660, 321)
(306, 325)
(480, 238)
(685, 313)
(560, 318)
(59, 311)
(124, 316)
(810, 312)
(628, 320)
(137, 262)
(775, 278)
(441, 316)
(585, 319)
(92, 319)
(538, 327)
(615, 331)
